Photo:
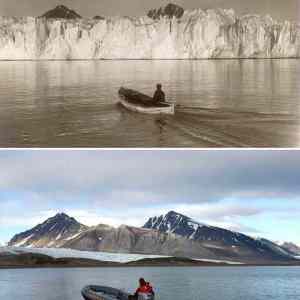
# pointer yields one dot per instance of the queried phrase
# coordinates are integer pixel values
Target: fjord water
(182, 283)
(223, 103)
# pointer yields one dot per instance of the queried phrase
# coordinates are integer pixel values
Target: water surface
(184, 283)
(224, 103)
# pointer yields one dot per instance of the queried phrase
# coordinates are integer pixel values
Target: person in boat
(159, 95)
(144, 291)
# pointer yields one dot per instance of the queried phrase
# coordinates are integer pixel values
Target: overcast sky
(255, 192)
(287, 9)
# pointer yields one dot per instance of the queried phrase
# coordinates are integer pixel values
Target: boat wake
(218, 128)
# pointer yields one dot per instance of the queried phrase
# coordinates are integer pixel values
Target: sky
(288, 9)
(254, 192)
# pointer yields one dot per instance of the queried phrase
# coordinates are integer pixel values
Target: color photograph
(95, 225)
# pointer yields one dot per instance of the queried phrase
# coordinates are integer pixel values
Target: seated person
(143, 292)
(159, 95)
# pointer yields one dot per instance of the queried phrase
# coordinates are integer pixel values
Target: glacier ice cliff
(217, 33)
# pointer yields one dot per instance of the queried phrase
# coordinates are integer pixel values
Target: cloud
(218, 211)
(115, 187)
(25, 219)
(114, 219)
(198, 176)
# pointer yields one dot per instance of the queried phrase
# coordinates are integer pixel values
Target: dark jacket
(159, 96)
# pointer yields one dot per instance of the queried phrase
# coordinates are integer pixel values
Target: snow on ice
(62, 252)
(216, 33)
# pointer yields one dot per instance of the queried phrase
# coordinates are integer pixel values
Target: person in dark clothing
(143, 292)
(159, 95)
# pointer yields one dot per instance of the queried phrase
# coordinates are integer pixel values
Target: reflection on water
(186, 283)
(73, 103)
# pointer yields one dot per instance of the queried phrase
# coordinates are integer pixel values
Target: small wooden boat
(96, 292)
(142, 103)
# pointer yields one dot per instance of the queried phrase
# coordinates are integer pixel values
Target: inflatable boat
(95, 292)
(138, 102)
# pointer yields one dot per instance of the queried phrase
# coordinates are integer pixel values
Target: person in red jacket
(144, 291)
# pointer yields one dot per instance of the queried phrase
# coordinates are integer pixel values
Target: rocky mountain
(291, 247)
(128, 239)
(219, 241)
(171, 10)
(172, 234)
(54, 232)
(169, 33)
(61, 12)
(98, 18)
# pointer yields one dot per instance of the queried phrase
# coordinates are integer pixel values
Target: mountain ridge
(291, 247)
(172, 234)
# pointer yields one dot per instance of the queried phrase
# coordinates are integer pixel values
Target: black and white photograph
(209, 74)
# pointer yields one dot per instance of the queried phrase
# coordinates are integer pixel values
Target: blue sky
(254, 192)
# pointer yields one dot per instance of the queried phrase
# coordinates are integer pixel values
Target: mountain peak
(51, 232)
(174, 213)
(212, 238)
(61, 12)
(170, 10)
(62, 215)
(174, 222)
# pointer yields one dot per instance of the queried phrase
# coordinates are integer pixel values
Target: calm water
(184, 283)
(73, 103)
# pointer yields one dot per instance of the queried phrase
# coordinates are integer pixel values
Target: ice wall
(197, 34)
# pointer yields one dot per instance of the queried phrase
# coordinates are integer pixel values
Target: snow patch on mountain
(54, 232)
(24, 241)
(73, 236)
(221, 261)
(172, 234)
(216, 239)
(174, 222)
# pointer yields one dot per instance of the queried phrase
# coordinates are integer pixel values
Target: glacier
(99, 255)
(71, 253)
(198, 34)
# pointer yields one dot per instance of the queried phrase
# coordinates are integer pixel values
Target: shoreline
(148, 266)
(156, 59)
(153, 263)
